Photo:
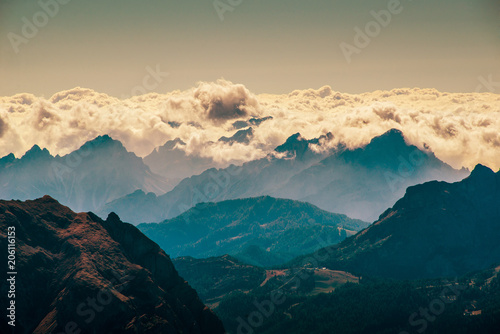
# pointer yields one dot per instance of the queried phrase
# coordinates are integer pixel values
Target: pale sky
(270, 46)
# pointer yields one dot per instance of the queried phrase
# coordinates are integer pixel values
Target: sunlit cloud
(461, 129)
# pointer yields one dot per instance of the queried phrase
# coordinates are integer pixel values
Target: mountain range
(101, 176)
(360, 183)
(99, 171)
(173, 163)
(436, 244)
(437, 229)
(252, 179)
(262, 231)
(364, 182)
(436, 250)
(78, 273)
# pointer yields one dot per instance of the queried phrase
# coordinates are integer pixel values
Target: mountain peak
(328, 136)
(36, 152)
(291, 143)
(7, 159)
(166, 148)
(113, 217)
(241, 136)
(299, 146)
(480, 172)
(103, 141)
(387, 151)
(392, 136)
(48, 198)
(294, 138)
(170, 145)
(390, 141)
(394, 132)
(413, 228)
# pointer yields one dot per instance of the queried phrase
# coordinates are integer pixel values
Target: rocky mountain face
(263, 231)
(437, 229)
(100, 171)
(360, 183)
(76, 272)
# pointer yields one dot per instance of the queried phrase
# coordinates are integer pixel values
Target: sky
(130, 47)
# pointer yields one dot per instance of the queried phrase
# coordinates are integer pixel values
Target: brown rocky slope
(79, 274)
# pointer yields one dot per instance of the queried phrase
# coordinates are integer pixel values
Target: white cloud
(462, 129)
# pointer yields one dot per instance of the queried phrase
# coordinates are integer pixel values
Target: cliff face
(79, 274)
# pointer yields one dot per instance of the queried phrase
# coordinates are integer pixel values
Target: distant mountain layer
(76, 271)
(255, 178)
(361, 183)
(364, 182)
(437, 229)
(100, 171)
(172, 162)
(263, 231)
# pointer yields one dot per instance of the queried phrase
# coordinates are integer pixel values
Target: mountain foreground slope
(79, 272)
(301, 300)
(216, 278)
(437, 229)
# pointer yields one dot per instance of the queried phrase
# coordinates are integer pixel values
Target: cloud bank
(461, 129)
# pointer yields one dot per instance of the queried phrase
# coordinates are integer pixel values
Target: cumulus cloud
(4, 126)
(68, 98)
(461, 129)
(223, 100)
